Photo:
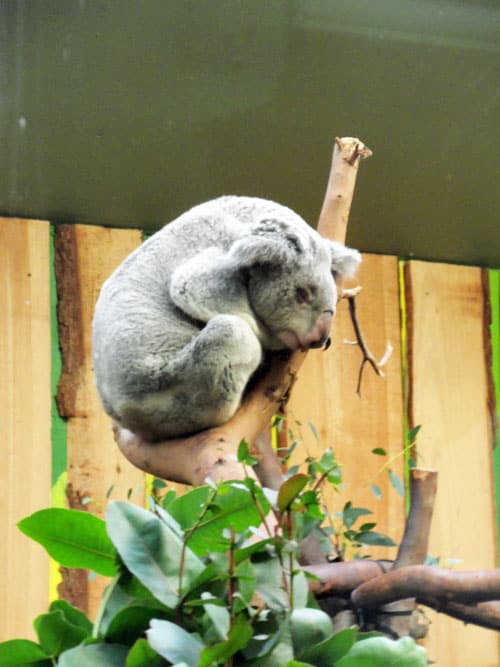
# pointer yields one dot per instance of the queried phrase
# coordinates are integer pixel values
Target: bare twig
(368, 357)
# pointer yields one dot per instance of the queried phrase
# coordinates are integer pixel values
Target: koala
(184, 322)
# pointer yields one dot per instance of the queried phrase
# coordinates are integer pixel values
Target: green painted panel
(58, 425)
(126, 113)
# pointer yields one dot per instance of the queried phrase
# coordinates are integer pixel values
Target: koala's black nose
(324, 343)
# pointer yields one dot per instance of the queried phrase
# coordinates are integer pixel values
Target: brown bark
(396, 615)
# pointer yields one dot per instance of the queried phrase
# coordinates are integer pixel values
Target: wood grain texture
(25, 478)
(449, 398)
(85, 256)
(354, 425)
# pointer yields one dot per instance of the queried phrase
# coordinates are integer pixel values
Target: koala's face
(295, 300)
(289, 271)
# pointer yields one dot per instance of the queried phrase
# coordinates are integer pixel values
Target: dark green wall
(126, 112)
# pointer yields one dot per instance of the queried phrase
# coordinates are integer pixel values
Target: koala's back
(136, 322)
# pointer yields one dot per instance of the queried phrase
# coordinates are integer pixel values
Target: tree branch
(368, 357)
(413, 549)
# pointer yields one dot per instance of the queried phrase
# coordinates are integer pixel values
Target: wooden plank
(85, 256)
(449, 398)
(352, 425)
(24, 417)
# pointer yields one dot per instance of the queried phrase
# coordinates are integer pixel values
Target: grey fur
(183, 322)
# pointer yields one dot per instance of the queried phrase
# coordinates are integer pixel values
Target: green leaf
(329, 651)
(219, 618)
(94, 655)
(308, 627)
(232, 508)
(396, 482)
(238, 637)
(73, 538)
(313, 430)
(327, 465)
(373, 538)
(151, 551)
(56, 634)
(379, 451)
(142, 655)
(20, 652)
(174, 643)
(131, 623)
(377, 492)
(290, 489)
(412, 435)
(244, 455)
(72, 614)
(351, 514)
(383, 652)
(270, 583)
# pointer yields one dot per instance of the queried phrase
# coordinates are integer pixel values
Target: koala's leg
(204, 384)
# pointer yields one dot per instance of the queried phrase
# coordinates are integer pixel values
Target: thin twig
(350, 295)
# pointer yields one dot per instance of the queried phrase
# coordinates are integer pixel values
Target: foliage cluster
(201, 580)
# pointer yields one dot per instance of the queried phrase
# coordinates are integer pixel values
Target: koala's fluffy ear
(267, 243)
(345, 261)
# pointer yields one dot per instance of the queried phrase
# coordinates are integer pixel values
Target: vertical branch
(414, 545)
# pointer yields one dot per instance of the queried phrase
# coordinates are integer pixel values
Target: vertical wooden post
(25, 478)
(85, 256)
(449, 398)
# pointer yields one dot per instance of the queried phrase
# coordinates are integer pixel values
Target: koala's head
(290, 273)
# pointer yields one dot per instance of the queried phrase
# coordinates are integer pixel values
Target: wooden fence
(439, 376)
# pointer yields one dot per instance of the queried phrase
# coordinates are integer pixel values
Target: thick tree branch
(429, 585)
(212, 453)
(413, 549)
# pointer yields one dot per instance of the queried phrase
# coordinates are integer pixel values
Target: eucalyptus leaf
(142, 655)
(21, 652)
(238, 637)
(244, 455)
(308, 627)
(351, 514)
(396, 482)
(290, 489)
(232, 508)
(72, 614)
(373, 538)
(152, 551)
(332, 649)
(219, 618)
(412, 434)
(270, 583)
(56, 634)
(384, 652)
(94, 655)
(73, 538)
(281, 649)
(130, 624)
(174, 643)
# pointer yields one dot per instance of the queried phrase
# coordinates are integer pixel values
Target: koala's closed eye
(305, 294)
